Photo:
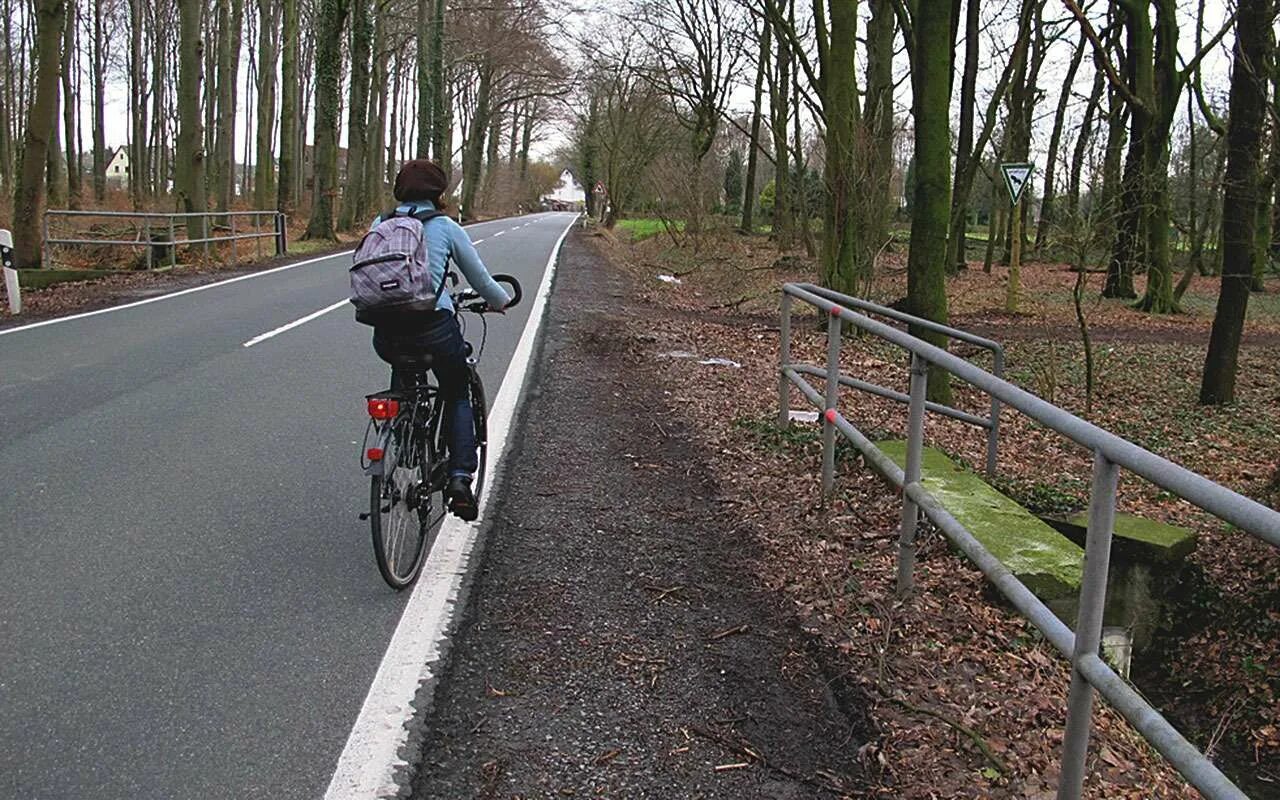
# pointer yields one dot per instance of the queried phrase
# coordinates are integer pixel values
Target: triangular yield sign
(1016, 178)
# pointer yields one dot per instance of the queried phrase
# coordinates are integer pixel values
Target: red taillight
(382, 408)
(373, 454)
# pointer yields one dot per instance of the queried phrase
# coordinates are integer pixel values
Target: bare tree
(29, 197)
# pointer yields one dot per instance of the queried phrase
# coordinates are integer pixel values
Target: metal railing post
(834, 334)
(993, 433)
(911, 474)
(44, 242)
(150, 245)
(173, 243)
(1093, 596)
(231, 223)
(784, 360)
(204, 234)
(282, 244)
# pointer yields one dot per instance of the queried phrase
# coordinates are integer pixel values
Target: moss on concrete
(1148, 540)
(1043, 559)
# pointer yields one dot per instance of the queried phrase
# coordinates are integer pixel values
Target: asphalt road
(188, 604)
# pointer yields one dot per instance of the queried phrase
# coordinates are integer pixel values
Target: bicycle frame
(422, 396)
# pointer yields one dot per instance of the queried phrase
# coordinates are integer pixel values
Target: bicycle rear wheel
(400, 532)
(479, 412)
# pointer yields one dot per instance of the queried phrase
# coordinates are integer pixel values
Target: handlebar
(471, 301)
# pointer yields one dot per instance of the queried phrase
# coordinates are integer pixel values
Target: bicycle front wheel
(400, 532)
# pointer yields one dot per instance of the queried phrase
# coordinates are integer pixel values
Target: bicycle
(408, 461)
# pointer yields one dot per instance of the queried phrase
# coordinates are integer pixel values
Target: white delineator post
(10, 274)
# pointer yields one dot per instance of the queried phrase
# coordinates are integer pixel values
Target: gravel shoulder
(618, 643)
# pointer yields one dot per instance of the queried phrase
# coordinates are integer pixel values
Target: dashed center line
(302, 321)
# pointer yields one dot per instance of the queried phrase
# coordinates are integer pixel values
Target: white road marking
(369, 762)
(172, 295)
(499, 233)
(195, 289)
(477, 241)
(301, 321)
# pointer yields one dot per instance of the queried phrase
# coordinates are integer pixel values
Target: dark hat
(420, 179)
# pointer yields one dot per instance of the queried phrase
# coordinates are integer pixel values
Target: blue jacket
(447, 240)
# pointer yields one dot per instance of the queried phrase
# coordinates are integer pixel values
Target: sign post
(10, 274)
(1016, 178)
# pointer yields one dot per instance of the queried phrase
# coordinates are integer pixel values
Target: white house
(118, 168)
(567, 194)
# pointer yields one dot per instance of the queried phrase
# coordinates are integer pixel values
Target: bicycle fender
(387, 463)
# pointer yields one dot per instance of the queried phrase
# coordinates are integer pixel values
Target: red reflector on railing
(831, 416)
(373, 454)
(382, 408)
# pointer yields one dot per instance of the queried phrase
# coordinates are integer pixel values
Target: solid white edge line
(371, 758)
(191, 290)
(262, 337)
(171, 295)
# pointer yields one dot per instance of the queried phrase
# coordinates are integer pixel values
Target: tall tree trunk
(748, 224)
(1084, 135)
(29, 196)
(878, 124)
(1022, 102)
(931, 103)
(426, 100)
(286, 197)
(1255, 45)
(230, 23)
(70, 107)
(353, 192)
(159, 142)
(264, 185)
(189, 179)
(441, 120)
(137, 106)
(526, 139)
(956, 259)
(1047, 198)
(780, 115)
(842, 269)
(375, 153)
(99, 70)
(330, 26)
(473, 152)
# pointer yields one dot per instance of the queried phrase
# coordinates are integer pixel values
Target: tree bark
(841, 248)
(375, 152)
(353, 192)
(29, 196)
(231, 22)
(189, 179)
(329, 29)
(473, 147)
(878, 132)
(1047, 197)
(264, 184)
(442, 121)
(930, 52)
(748, 223)
(137, 106)
(1254, 47)
(956, 259)
(99, 75)
(780, 115)
(69, 107)
(1084, 135)
(286, 197)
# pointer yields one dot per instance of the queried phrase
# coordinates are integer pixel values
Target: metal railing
(169, 225)
(1081, 647)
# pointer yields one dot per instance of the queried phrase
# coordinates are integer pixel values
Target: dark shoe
(461, 500)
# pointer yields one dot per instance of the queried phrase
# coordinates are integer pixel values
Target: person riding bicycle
(418, 189)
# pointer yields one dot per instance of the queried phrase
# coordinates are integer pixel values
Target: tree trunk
(442, 121)
(780, 115)
(931, 102)
(354, 204)
(842, 269)
(137, 106)
(189, 185)
(426, 100)
(1129, 247)
(1022, 102)
(1047, 198)
(473, 148)
(264, 185)
(70, 107)
(330, 25)
(748, 224)
(99, 74)
(878, 205)
(1084, 135)
(230, 23)
(375, 153)
(526, 139)
(286, 197)
(956, 259)
(1254, 45)
(29, 197)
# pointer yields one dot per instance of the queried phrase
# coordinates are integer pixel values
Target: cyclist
(418, 189)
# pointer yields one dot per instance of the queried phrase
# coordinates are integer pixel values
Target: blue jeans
(440, 336)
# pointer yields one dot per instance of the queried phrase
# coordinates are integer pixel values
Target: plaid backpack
(391, 276)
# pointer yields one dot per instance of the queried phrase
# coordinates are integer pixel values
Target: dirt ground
(619, 643)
